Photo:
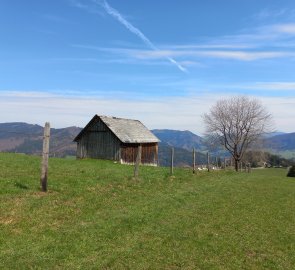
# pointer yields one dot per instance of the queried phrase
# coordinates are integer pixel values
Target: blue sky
(163, 62)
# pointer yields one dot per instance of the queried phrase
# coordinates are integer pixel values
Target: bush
(291, 172)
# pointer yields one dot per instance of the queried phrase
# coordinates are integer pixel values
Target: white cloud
(271, 13)
(208, 46)
(223, 54)
(264, 42)
(285, 28)
(239, 55)
(183, 113)
(244, 55)
(284, 86)
(122, 20)
(85, 6)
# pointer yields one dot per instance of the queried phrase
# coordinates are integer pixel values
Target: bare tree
(236, 123)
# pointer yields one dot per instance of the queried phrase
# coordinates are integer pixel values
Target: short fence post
(224, 163)
(45, 155)
(137, 162)
(249, 167)
(172, 161)
(194, 160)
(208, 161)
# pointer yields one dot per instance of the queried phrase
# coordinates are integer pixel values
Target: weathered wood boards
(117, 139)
(172, 161)
(138, 160)
(45, 154)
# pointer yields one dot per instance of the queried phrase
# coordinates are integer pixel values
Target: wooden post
(208, 161)
(157, 156)
(45, 154)
(216, 162)
(224, 163)
(249, 167)
(194, 160)
(137, 162)
(172, 161)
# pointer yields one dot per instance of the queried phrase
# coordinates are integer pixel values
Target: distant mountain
(278, 143)
(181, 139)
(272, 134)
(13, 135)
(283, 142)
(183, 143)
(27, 138)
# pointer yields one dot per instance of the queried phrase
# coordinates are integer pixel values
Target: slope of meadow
(96, 216)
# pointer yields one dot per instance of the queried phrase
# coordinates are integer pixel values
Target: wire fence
(199, 161)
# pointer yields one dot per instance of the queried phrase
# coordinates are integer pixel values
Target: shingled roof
(126, 130)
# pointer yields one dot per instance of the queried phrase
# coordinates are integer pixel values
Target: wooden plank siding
(149, 153)
(98, 142)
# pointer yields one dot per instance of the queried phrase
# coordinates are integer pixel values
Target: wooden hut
(117, 139)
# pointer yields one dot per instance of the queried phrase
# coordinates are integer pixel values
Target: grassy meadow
(96, 216)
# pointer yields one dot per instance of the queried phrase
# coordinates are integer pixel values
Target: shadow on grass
(21, 186)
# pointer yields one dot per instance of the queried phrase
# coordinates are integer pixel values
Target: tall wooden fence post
(137, 162)
(45, 154)
(194, 160)
(172, 161)
(208, 161)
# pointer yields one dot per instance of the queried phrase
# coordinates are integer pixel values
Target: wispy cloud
(235, 55)
(267, 13)
(86, 7)
(275, 14)
(207, 46)
(285, 28)
(115, 13)
(264, 42)
(268, 86)
(267, 35)
(224, 54)
(120, 18)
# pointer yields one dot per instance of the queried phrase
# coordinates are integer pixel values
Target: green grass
(96, 216)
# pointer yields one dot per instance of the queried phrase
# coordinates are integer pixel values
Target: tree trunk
(236, 165)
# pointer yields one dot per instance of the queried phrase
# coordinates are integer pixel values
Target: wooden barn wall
(149, 154)
(98, 142)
